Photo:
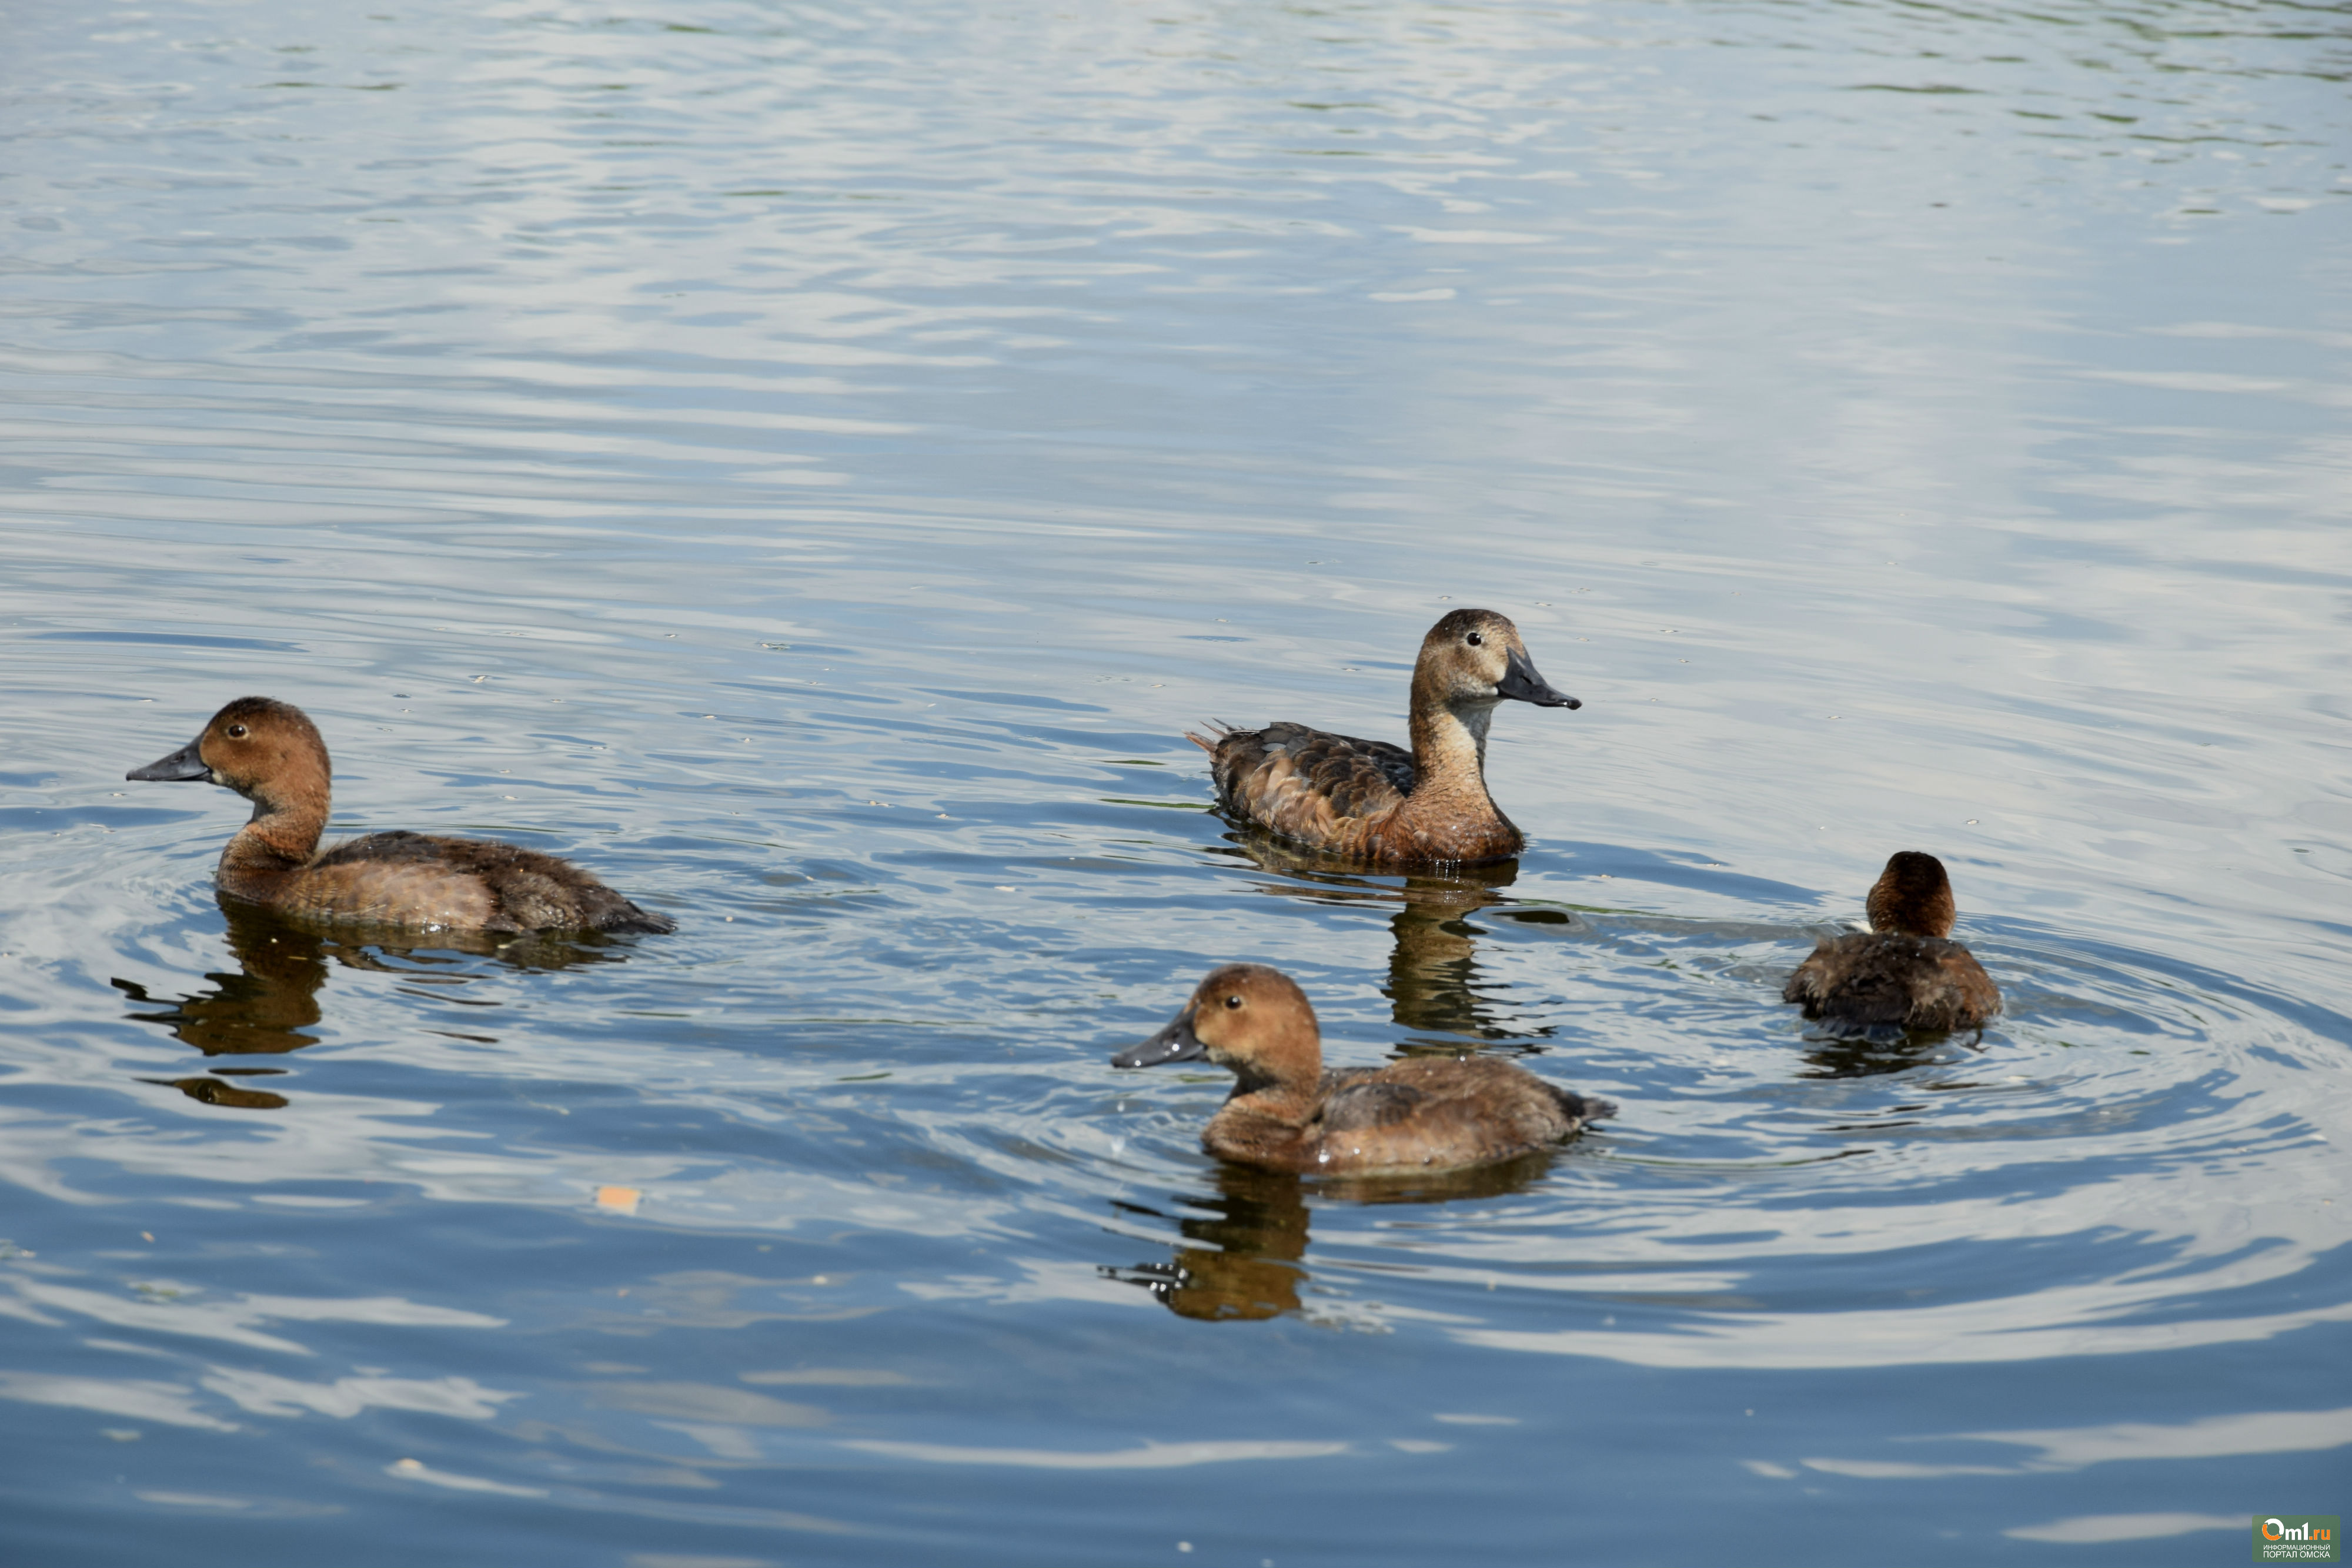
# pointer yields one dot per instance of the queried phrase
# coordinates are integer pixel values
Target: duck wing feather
(532, 891)
(1888, 979)
(1363, 1100)
(1301, 781)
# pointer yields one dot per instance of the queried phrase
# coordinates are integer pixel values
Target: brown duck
(1372, 802)
(271, 753)
(1286, 1113)
(1903, 972)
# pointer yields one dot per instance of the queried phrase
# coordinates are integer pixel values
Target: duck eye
(1233, 1001)
(1474, 640)
(236, 732)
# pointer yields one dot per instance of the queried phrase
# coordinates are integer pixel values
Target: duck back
(1361, 799)
(1422, 1115)
(1890, 980)
(416, 879)
(1331, 791)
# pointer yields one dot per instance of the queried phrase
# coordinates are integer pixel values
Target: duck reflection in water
(1249, 1243)
(1246, 1260)
(268, 1007)
(1885, 1050)
(1436, 986)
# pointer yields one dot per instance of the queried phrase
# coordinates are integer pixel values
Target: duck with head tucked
(1410, 1117)
(1903, 972)
(271, 753)
(1378, 803)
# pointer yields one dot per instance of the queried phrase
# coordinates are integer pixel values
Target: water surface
(811, 466)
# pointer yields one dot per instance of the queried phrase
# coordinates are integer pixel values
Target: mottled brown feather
(1889, 979)
(524, 889)
(1332, 790)
(1426, 1113)
(1358, 1099)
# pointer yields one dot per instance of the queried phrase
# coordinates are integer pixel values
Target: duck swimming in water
(1903, 972)
(271, 753)
(1286, 1113)
(1379, 803)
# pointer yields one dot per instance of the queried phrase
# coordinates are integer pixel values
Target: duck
(1416, 1117)
(1377, 803)
(1904, 972)
(271, 753)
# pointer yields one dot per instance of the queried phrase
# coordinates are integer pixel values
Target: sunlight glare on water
(812, 465)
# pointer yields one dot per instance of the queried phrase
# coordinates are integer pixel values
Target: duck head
(1246, 1017)
(1474, 659)
(1913, 896)
(267, 751)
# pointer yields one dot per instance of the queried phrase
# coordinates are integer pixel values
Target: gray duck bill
(183, 766)
(1177, 1042)
(1521, 683)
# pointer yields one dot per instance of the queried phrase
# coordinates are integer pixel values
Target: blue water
(811, 466)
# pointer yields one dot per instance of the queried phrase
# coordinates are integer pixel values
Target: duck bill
(1177, 1042)
(1521, 683)
(183, 766)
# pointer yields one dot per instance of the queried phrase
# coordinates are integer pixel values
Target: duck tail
(1218, 730)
